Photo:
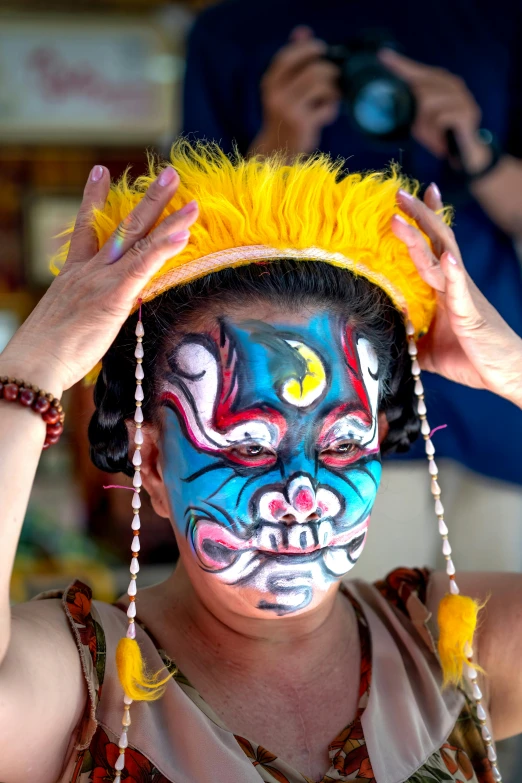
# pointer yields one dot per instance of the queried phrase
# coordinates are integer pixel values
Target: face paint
(271, 453)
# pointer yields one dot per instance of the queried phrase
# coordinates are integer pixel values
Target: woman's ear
(151, 473)
(383, 425)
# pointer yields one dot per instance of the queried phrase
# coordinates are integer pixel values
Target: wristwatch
(489, 139)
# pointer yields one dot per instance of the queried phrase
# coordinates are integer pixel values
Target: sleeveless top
(406, 730)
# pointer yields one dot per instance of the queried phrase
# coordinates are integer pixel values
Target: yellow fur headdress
(261, 209)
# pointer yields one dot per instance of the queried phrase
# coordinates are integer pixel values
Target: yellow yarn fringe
(135, 681)
(457, 619)
(264, 201)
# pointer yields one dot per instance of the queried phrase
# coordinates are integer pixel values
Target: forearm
(22, 434)
(500, 195)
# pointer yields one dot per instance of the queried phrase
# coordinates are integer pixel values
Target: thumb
(459, 296)
(301, 33)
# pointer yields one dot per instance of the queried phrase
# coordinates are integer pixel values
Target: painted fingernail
(401, 220)
(179, 236)
(188, 208)
(452, 260)
(436, 190)
(166, 176)
(96, 173)
(406, 194)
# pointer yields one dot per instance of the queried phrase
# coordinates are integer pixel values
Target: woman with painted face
(257, 325)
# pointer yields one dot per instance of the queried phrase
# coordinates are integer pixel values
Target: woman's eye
(340, 453)
(252, 452)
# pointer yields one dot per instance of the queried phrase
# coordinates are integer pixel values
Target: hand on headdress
(80, 315)
(468, 342)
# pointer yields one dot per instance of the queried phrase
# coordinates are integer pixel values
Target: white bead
(140, 331)
(454, 588)
(425, 427)
(419, 388)
(415, 367)
(481, 712)
(124, 740)
(468, 650)
(430, 448)
(136, 546)
(136, 500)
(138, 416)
(486, 734)
(131, 611)
(132, 589)
(443, 528)
(421, 408)
(136, 481)
(472, 675)
(131, 632)
(412, 348)
(139, 396)
(134, 566)
(120, 762)
(446, 549)
(117, 779)
(477, 693)
(139, 374)
(136, 522)
(127, 699)
(432, 468)
(136, 459)
(138, 436)
(138, 353)
(435, 487)
(410, 329)
(497, 777)
(492, 756)
(439, 508)
(450, 568)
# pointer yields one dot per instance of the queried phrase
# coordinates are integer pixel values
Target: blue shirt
(230, 48)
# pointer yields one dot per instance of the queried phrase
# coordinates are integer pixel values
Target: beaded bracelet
(30, 396)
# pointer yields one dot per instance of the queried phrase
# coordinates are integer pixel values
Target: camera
(380, 104)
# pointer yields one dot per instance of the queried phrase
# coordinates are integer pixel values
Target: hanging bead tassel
(457, 615)
(137, 684)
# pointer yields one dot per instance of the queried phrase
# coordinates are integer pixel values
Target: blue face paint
(271, 453)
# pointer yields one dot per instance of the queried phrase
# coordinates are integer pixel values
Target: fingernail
(188, 208)
(406, 194)
(452, 260)
(166, 176)
(97, 173)
(436, 190)
(179, 236)
(401, 219)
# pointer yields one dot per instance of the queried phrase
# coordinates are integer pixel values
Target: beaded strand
(470, 672)
(136, 525)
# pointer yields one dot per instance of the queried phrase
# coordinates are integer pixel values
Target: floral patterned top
(460, 759)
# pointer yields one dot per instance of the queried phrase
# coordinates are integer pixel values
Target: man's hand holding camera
(444, 103)
(300, 96)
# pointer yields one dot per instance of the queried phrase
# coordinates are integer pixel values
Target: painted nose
(303, 502)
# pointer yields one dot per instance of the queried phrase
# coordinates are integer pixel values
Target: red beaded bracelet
(30, 396)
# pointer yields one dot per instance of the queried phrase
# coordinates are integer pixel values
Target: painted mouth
(218, 547)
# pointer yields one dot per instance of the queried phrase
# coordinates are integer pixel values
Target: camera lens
(383, 107)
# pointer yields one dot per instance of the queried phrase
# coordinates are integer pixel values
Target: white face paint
(271, 455)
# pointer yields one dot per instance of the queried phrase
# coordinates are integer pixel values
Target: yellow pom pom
(457, 620)
(135, 681)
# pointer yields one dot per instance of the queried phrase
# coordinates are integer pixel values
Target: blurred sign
(78, 80)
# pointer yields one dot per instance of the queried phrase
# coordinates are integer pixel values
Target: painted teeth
(300, 536)
(325, 533)
(336, 560)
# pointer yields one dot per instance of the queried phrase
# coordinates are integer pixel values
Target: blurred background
(102, 81)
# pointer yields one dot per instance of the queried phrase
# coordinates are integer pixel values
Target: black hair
(292, 285)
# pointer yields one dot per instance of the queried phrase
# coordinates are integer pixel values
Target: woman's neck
(218, 631)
